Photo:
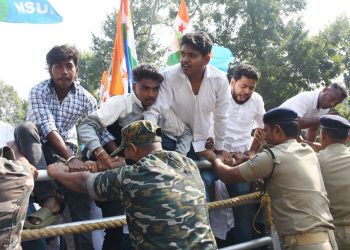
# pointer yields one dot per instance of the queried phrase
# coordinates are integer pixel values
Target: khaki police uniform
(335, 167)
(300, 208)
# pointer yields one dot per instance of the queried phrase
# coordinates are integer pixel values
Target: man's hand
(258, 140)
(76, 165)
(91, 166)
(239, 157)
(209, 144)
(118, 162)
(227, 159)
(208, 154)
(103, 160)
(33, 170)
(56, 168)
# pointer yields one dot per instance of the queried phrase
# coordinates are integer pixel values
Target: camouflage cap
(139, 132)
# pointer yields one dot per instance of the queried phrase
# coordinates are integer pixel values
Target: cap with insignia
(279, 115)
(334, 122)
(139, 132)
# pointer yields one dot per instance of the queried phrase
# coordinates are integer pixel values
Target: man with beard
(195, 91)
(311, 105)
(245, 112)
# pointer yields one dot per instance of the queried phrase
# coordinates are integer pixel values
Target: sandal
(44, 215)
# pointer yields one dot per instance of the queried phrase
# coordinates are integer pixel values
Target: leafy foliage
(268, 34)
(12, 108)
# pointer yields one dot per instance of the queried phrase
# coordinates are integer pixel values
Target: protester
(246, 111)
(117, 112)
(194, 91)
(55, 106)
(311, 105)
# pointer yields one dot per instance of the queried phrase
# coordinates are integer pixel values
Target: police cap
(139, 132)
(334, 122)
(279, 115)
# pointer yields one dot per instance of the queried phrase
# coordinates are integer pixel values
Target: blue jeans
(244, 215)
(114, 237)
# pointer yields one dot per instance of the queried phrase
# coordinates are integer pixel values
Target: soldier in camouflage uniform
(163, 193)
(16, 184)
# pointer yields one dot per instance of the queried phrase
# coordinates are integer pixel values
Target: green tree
(12, 108)
(148, 17)
(270, 35)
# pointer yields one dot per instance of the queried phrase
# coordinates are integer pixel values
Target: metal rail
(43, 176)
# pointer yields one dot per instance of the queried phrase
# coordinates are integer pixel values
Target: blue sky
(24, 46)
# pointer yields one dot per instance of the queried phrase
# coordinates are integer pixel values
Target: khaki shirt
(298, 196)
(335, 168)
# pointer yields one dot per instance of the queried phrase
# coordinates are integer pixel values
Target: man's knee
(25, 129)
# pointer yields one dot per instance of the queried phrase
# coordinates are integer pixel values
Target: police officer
(300, 208)
(335, 167)
(162, 192)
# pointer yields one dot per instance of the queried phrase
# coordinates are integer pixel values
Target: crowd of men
(140, 151)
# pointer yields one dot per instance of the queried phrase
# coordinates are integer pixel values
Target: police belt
(306, 238)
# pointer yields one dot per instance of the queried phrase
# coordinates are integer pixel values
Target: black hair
(290, 128)
(342, 90)
(61, 53)
(237, 71)
(199, 41)
(337, 135)
(146, 71)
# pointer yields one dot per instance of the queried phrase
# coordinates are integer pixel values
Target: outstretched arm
(74, 181)
(225, 173)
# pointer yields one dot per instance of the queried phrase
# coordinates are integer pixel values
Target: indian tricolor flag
(181, 27)
(124, 57)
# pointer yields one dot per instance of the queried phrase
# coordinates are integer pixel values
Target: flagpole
(150, 30)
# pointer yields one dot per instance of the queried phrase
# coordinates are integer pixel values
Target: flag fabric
(220, 56)
(181, 27)
(124, 53)
(103, 94)
(33, 12)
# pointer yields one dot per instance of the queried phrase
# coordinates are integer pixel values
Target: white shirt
(305, 105)
(122, 108)
(242, 119)
(195, 111)
(6, 134)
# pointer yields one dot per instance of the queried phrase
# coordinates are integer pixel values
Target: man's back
(164, 198)
(335, 167)
(299, 199)
(305, 104)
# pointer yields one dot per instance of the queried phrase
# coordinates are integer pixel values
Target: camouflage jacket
(164, 198)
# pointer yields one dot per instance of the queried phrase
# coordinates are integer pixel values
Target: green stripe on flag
(173, 58)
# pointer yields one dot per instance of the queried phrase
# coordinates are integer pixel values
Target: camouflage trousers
(16, 184)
